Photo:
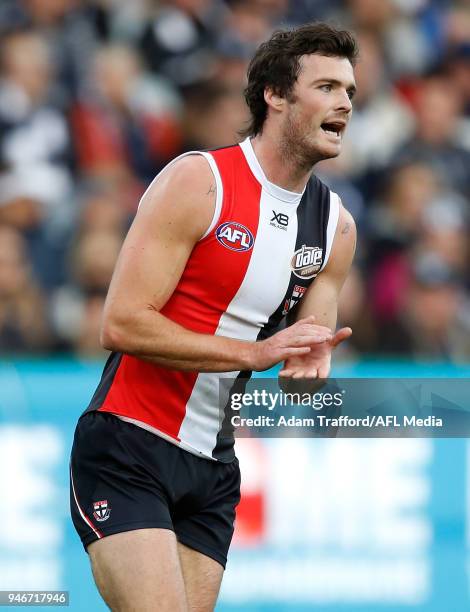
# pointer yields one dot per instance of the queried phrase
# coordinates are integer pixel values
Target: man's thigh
(139, 571)
(126, 483)
(202, 578)
(204, 537)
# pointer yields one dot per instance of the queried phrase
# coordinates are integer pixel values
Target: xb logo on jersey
(101, 510)
(279, 220)
(307, 261)
(234, 236)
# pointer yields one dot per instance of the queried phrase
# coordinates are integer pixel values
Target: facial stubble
(295, 145)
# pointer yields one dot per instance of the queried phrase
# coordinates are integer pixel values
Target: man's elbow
(113, 335)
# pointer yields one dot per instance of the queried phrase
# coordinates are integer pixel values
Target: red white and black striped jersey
(264, 247)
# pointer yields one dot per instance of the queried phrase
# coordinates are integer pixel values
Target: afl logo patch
(307, 262)
(234, 236)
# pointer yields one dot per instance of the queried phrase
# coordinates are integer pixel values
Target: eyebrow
(352, 87)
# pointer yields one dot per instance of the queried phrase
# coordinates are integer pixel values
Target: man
(224, 245)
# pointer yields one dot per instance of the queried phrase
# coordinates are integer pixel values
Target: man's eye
(351, 94)
(326, 87)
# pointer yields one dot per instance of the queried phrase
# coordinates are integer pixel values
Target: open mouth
(333, 129)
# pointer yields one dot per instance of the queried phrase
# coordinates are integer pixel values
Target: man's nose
(344, 102)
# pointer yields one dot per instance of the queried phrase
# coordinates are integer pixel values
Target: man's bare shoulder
(346, 223)
(344, 245)
(185, 190)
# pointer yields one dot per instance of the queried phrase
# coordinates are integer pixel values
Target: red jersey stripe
(157, 395)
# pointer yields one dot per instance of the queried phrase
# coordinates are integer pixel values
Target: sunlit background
(96, 96)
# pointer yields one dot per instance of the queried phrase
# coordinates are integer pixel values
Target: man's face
(319, 107)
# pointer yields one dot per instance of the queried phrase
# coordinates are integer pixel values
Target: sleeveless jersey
(264, 247)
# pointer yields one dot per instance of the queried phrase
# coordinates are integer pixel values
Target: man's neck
(280, 168)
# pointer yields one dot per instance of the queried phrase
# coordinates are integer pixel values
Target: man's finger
(313, 328)
(305, 374)
(307, 339)
(323, 371)
(310, 319)
(341, 335)
(289, 352)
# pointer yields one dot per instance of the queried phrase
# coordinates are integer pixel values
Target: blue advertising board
(327, 524)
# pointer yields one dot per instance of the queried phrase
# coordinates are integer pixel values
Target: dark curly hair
(276, 64)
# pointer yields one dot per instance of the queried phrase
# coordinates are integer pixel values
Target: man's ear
(273, 99)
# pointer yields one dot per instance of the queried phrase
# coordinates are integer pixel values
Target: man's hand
(295, 342)
(317, 362)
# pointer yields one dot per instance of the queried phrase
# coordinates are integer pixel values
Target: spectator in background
(77, 305)
(457, 23)
(373, 16)
(418, 216)
(458, 69)
(86, 342)
(126, 128)
(93, 263)
(68, 28)
(435, 320)
(247, 24)
(103, 209)
(395, 24)
(23, 319)
(179, 39)
(445, 232)
(393, 229)
(119, 19)
(35, 145)
(93, 260)
(214, 116)
(437, 113)
(458, 64)
(231, 64)
(36, 151)
(251, 21)
(303, 11)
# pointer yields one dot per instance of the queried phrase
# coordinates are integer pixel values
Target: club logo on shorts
(307, 262)
(101, 510)
(234, 236)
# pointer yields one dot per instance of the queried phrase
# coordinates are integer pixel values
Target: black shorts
(124, 477)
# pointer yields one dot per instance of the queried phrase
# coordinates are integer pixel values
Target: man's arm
(321, 301)
(172, 217)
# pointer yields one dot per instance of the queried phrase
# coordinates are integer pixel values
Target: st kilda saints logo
(307, 261)
(234, 236)
(297, 294)
(101, 510)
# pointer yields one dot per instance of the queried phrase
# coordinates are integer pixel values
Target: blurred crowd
(96, 96)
